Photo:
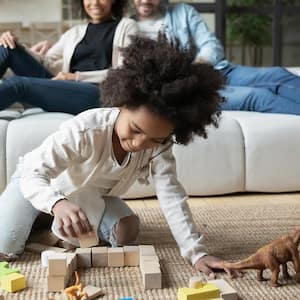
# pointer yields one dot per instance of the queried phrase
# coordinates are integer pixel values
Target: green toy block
(5, 270)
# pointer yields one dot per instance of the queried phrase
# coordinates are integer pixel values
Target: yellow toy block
(207, 291)
(13, 282)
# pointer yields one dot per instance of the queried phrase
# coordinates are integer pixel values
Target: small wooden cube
(56, 283)
(88, 239)
(84, 257)
(57, 264)
(146, 250)
(131, 256)
(115, 257)
(227, 291)
(153, 259)
(152, 278)
(13, 282)
(100, 257)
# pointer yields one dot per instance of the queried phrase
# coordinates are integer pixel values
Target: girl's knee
(126, 230)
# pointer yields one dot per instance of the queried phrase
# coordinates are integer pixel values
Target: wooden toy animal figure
(271, 256)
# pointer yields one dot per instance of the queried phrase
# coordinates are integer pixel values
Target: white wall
(27, 11)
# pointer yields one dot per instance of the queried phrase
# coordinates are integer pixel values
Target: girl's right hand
(8, 40)
(70, 219)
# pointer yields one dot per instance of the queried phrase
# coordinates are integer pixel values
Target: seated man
(272, 89)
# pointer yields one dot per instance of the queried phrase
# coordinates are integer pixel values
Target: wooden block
(13, 282)
(115, 257)
(100, 257)
(146, 250)
(149, 265)
(88, 239)
(227, 291)
(208, 291)
(71, 263)
(84, 257)
(131, 256)
(56, 283)
(39, 248)
(57, 264)
(146, 260)
(152, 278)
(93, 292)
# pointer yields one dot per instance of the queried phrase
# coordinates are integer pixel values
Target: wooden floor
(247, 199)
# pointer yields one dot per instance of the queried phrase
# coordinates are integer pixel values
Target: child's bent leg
(17, 216)
(119, 225)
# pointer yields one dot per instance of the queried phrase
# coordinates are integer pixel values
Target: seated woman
(67, 78)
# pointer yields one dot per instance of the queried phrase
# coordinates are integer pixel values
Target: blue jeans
(33, 85)
(17, 217)
(271, 89)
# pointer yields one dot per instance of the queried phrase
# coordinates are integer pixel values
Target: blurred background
(254, 32)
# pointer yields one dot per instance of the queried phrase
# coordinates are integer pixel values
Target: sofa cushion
(26, 133)
(272, 151)
(3, 129)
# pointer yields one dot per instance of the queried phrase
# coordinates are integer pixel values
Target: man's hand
(8, 40)
(41, 48)
(65, 76)
(70, 219)
(207, 264)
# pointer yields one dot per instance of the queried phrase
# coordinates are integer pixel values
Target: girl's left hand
(65, 76)
(208, 263)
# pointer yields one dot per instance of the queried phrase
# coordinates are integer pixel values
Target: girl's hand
(41, 48)
(70, 219)
(207, 264)
(65, 76)
(8, 40)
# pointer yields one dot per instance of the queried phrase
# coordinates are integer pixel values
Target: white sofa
(255, 152)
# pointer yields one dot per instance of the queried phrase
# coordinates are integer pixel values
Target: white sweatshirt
(77, 163)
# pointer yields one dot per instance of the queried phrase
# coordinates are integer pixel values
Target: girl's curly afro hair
(161, 76)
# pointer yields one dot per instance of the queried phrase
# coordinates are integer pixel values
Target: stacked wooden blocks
(10, 279)
(61, 266)
(150, 267)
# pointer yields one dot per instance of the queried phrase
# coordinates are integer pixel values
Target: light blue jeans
(270, 89)
(17, 216)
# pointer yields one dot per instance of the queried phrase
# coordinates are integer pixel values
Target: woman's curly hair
(118, 9)
(161, 76)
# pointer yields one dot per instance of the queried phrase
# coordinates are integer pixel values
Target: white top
(77, 162)
(151, 28)
(59, 56)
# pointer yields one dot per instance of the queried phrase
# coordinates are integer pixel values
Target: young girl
(77, 175)
(78, 61)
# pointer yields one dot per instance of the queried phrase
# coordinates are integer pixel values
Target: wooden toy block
(146, 250)
(131, 256)
(148, 265)
(227, 291)
(13, 282)
(44, 257)
(84, 257)
(115, 257)
(38, 248)
(152, 278)
(195, 282)
(57, 264)
(5, 270)
(71, 263)
(88, 239)
(56, 283)
(100, 257)
(208, 291)
(93, 292)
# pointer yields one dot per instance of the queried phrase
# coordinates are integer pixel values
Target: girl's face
(141, 129)
(98, 10)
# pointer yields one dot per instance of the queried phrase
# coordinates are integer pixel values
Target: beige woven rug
(232, 232)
